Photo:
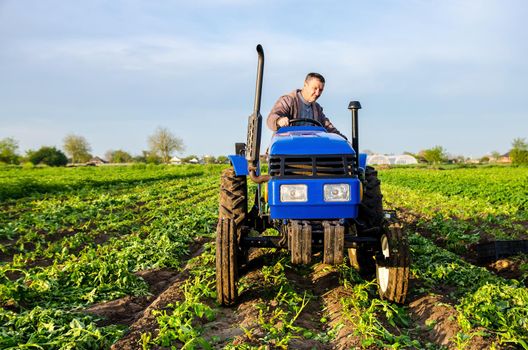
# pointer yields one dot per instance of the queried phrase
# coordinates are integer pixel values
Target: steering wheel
(306, 120)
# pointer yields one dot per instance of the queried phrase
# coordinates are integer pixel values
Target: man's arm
(282, 108)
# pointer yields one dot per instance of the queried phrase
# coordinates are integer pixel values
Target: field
(123, 258)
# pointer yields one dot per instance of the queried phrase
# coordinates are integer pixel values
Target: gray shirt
(306, 110)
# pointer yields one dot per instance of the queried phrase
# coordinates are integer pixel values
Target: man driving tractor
(301, 104)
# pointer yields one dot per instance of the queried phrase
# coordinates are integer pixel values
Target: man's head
(313, 87)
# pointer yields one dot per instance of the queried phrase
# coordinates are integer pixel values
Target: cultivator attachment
(300, 243)
(334, 243)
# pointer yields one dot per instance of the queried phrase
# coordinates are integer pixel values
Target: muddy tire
(233, 198)
(370, 213)
(371, 207)
(226, 262)
(392, 272)
(232, 215)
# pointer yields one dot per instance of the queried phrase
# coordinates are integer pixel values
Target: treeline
(518, 155)
(162, 145)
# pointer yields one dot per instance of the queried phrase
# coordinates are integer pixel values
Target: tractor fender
(362, 162)
(240, 164)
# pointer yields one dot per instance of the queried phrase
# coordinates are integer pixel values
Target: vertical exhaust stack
(254, 131)
(354, 106)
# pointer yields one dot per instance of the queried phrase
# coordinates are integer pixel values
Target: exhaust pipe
(254, 131)
(354, 106)
(258, 88)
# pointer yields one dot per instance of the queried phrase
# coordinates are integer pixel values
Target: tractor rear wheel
(392, 269)
(371, 214)
(232, 215)
(371, 207)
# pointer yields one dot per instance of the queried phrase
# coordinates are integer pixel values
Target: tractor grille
(317, 166)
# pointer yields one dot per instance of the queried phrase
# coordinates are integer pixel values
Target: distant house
(194, 161)
(505, 158)
(96, 161)
(175, 160)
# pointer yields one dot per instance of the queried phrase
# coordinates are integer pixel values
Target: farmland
(123, 258)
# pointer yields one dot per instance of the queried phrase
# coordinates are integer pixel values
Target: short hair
(313, 75)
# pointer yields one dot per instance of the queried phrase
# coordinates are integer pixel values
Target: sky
(452, 73)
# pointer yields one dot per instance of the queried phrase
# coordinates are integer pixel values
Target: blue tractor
(321, 197)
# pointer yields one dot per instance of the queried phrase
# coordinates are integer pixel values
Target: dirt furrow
(137, 311)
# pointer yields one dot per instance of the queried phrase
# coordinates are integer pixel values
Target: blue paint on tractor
(239, 164)
(315, 207)
(363, 161)
(311, 141)
(296, 140)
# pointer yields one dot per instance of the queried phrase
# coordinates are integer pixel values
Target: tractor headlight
(336, 192)
(294, 193)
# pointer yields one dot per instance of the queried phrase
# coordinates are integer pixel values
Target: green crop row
(145, 224)
(485, 300)
(20, 183)
(496, 186)
(463, 217)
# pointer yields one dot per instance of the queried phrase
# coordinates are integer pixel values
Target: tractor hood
(308, 140)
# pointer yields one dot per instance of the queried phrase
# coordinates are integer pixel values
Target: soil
(435, 319)
(136, 312)
(433, 316)
(508, 268)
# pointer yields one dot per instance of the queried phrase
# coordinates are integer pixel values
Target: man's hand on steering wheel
(282, 122)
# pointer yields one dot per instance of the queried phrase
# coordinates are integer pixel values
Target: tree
(48, 155)
(495, 156)
(8, 149)
(519, 151)
(209, 159)
(520, 144)
(434, 155)
(77, 148)
(118, 156)
(222, 160)
(163, 144)
(484, 159)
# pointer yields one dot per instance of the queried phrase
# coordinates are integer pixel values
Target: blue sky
(450, 73)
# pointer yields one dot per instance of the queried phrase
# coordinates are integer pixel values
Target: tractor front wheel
(226, 262)
(232, 216)
(392, 265)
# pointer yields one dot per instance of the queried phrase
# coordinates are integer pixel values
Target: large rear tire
(232, 215)
(392, 271)
(371, 214)
(371, 207)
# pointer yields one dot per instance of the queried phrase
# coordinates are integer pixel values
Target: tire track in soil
(230, 322)
(331, 292)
